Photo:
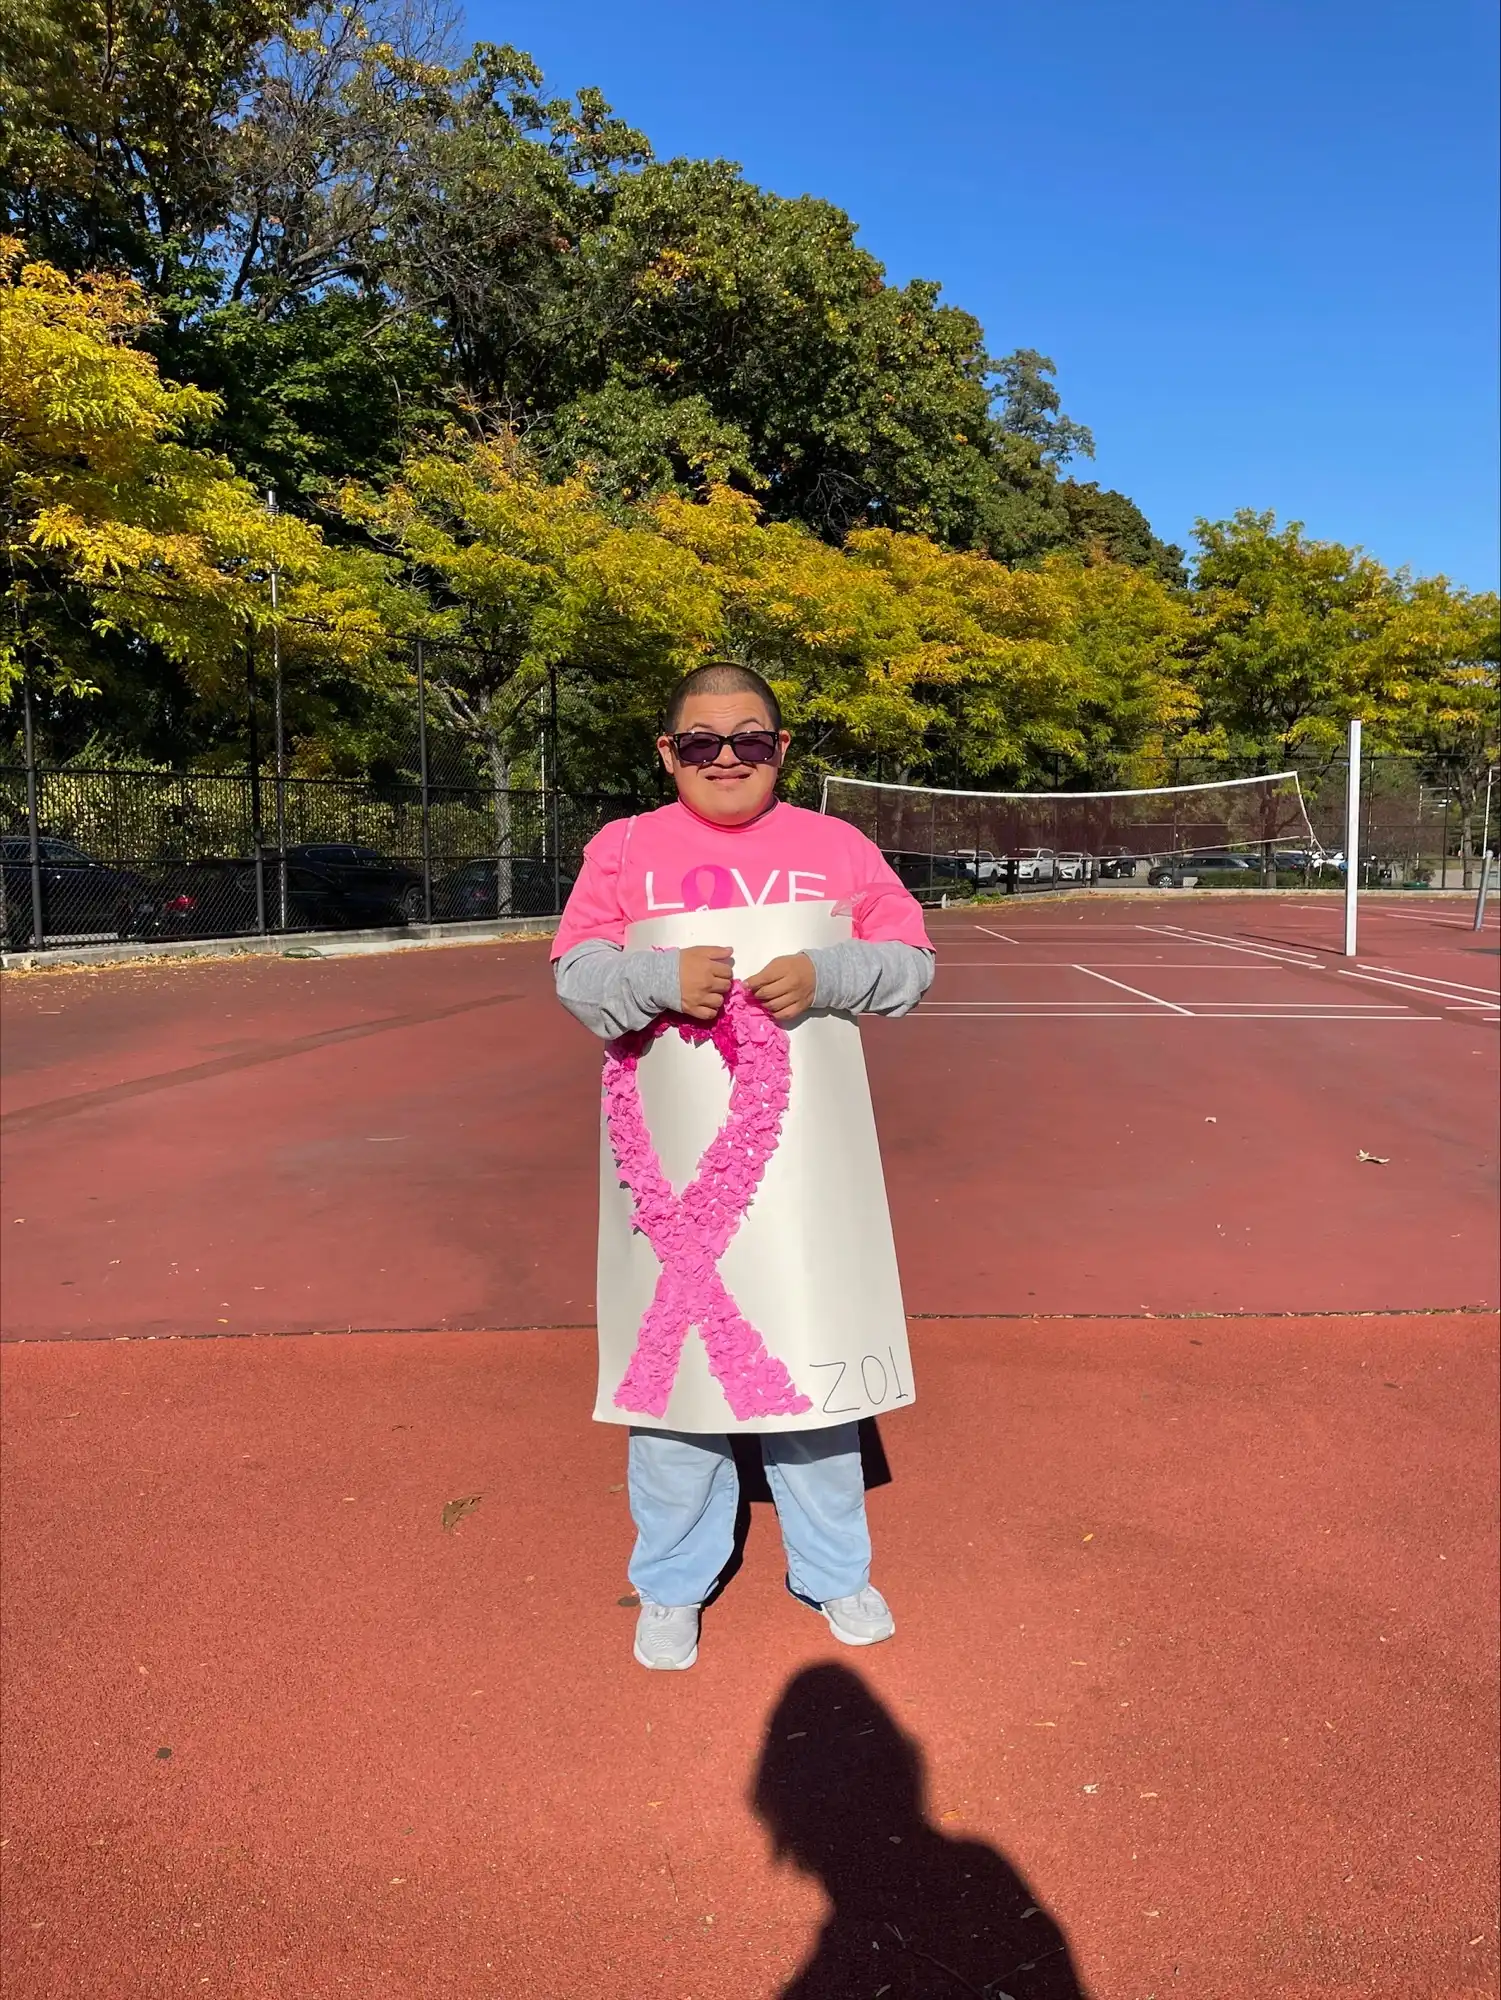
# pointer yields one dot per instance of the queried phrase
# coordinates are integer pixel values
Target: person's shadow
(916, 1915)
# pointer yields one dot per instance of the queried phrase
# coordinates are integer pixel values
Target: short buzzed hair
(721, 677)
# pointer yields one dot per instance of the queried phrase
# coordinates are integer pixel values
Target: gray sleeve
(864, 977)
(612, 991)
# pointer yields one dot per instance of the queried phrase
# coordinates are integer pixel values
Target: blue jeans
(684, 1492)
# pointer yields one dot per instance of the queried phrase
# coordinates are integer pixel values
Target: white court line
(1115, 965)
(1406, 986)
(1272, 952)
(1171, 1005)
(1231, 1010)
(1431, 979)
(1412, 917)
(997, 934)
(1143, 1014)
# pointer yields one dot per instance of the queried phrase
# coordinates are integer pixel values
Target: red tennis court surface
(1102, 1108)
(1196, 1615)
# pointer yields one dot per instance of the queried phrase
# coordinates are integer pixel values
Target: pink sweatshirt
(669, 860)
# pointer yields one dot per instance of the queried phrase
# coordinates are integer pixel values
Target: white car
(1036, 864)
(979, 863)
(1072, 867)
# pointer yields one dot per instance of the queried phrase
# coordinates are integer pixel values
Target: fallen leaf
(455, 1510)
(1089, 1538)
(630, 1601)
(1146, 1795)
(948, 1815)
(1211, 1121)
(1091, 1789)
(1374, 1159)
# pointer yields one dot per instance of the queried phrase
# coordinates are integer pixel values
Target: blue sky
(1258, 237)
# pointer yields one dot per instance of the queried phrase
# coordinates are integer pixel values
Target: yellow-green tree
(1444, 645)
(116, 529)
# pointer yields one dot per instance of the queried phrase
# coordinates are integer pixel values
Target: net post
(1352, 839)
(1483, 891)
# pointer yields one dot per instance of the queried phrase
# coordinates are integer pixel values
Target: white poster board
(812, 1264)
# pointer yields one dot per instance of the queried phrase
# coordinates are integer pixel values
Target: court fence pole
(33, 829)
(555, 812)
(423, 779)
(1352, 839)
(282, 922)
(257, 839)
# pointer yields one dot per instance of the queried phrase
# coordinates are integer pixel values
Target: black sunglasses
(749, 746)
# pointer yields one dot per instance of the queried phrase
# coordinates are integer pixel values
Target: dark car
(83, 900)
(206, 899)
(952, 874)
(364, 872)
(471, 892)
(1170, 871)
(1117, 865)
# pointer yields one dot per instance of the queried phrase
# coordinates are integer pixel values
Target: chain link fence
(91, 856)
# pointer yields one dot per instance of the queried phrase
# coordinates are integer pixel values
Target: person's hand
(785, 987)
(704, 975)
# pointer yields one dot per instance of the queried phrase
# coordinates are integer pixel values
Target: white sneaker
(667, 1636)
(862, 1620)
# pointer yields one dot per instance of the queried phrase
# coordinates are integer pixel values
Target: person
(728, 840)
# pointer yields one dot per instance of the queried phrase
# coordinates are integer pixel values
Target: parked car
(929, 871)
(1116, 865)
(979, 864)
(368, 874)
(203, 899)
(1169, 872)
(1072, 867)
(1035, 864)
(470, 892)
(83, 900)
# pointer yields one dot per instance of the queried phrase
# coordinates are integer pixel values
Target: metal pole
(557, 856)
(281, 762)
(1443, 847)
(1484, 890)
(255, 788)
(33, 831)
(427, 834)
(1352, 840)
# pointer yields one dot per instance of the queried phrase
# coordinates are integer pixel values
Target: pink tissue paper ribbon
(690, 1232)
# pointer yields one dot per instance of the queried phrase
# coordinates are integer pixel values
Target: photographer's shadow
(916, 1915)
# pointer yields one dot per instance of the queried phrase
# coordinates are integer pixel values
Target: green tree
(116, 119)
(326, 390)
(1106, 525)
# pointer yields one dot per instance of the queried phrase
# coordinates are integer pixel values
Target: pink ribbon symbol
(690, 1232)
